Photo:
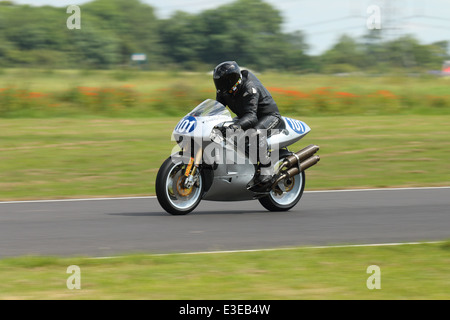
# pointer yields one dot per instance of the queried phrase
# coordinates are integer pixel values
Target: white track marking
(378, 189)
(73, 200)
(284, 249)
(154, 197)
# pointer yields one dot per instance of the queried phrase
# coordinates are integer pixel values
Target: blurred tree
(248, 31)
(373, 50)
(182, 38)
(244, 30)
(133, 23)
(93, 48)
(347, 53)
(29, 31)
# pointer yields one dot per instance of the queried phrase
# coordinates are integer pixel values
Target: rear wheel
(171, 192)
(292, 193)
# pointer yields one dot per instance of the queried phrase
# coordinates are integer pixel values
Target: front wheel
(171, 192)
(288, 199)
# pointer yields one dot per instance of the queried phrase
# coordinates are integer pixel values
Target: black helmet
(227, 76)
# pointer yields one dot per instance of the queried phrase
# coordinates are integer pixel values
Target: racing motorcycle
(210, 165)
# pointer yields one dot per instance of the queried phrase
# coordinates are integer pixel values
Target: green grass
(407, 272)
(365, 152)
(95, 157)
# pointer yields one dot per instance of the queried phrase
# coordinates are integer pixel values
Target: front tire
(170, 191)
(287, 200)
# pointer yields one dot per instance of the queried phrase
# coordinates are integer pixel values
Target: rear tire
(287, 200)
(170, 192)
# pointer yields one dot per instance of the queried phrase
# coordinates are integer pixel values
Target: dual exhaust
(298, 162)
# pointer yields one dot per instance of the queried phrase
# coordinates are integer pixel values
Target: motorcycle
(211, 165)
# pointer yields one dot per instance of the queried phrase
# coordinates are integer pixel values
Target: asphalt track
(138, 225)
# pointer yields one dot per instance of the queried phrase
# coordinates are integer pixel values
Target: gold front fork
(192, 168)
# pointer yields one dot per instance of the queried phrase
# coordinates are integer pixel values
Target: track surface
(112, 227)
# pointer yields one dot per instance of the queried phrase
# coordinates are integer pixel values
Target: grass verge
(406, 272)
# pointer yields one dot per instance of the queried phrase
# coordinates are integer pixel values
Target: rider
(255, 108)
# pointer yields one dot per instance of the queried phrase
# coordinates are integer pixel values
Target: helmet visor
(226, 82)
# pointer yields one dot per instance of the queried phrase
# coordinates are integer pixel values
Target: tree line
(248, 31)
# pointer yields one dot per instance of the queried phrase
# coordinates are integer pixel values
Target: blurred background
(322, 36)
(120, 57)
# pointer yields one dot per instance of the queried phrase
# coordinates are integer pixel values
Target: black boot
(262, 181)
(262, 178)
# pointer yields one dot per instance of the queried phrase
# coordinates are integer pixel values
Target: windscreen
(209, 108)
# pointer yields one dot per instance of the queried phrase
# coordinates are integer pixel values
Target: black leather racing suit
(253, 105)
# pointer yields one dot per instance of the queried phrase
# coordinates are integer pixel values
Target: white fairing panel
(294, 131)
(199, 123)
(198, 127)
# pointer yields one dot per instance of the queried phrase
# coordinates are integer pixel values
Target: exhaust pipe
(299, 156)
(308, 163)
(298, 162)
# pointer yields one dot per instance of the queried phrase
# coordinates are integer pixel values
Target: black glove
(221, 128)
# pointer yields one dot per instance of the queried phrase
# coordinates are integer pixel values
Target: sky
(324, 21)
